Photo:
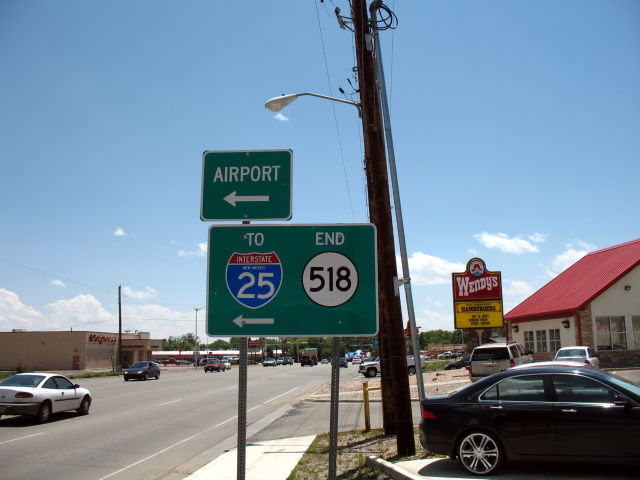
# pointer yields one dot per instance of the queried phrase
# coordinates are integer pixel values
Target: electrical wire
(335, 117)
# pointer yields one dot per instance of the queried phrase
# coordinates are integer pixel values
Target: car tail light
(512, 363)
(24, 395)
(427, 415)
(470, 369)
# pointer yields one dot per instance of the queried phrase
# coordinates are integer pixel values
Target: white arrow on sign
(233, 198)
(241, 322)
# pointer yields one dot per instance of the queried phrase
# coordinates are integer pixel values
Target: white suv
(495, 357)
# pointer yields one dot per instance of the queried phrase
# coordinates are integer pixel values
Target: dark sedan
(461, 363)
(538, 413)
(142, 371)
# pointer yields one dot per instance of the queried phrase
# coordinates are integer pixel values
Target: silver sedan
(42, 394)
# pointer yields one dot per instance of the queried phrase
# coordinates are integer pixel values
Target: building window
(635, 322)
(554, 339)
(541, 341)
(528, 341)
(611, 333)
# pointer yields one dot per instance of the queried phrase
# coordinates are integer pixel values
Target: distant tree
(220, 345)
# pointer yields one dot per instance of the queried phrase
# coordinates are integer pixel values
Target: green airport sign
(246, 185)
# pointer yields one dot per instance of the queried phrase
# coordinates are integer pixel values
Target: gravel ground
(435, 383)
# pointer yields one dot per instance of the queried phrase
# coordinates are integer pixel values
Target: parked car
(214, 365)
(372, 368)
(42, 394)
(495, 357)
(325, 361)
(279, 361)
(461, 363)
(445, 355)
(226, 363)
(578, 354)
(185, 362)
(287, 360)
(343, 362)
(170, 361)
(548, 412)
(269, 362)
(142, 371)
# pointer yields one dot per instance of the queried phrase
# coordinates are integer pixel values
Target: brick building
(595, 302)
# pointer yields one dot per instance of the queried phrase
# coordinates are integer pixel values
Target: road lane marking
(189, 438)
(21, 438)
(169, 403)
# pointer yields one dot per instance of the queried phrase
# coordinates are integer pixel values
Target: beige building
(33, 350)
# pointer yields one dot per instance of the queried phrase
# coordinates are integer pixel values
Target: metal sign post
(333, 415)
(242, 410)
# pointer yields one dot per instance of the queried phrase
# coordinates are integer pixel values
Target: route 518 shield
(254, 279)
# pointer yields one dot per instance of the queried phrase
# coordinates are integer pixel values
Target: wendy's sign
(477, 296)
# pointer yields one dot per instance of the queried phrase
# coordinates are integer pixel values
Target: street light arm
(278, 103)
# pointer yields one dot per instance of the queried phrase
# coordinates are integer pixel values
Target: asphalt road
(163, 429)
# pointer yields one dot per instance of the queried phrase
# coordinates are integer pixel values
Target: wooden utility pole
(396, 398)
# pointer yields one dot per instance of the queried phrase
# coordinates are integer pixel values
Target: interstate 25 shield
(254, 279)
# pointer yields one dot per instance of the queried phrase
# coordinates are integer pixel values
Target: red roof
(579, 284)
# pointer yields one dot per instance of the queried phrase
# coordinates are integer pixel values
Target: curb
(390, 469)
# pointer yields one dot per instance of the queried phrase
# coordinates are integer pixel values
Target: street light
(276, 104)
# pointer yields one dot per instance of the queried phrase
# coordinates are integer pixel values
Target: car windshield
(31, 381)
(499, 353)
(140, 365)
(571, 352)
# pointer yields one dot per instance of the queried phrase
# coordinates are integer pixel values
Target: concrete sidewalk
(267, 460)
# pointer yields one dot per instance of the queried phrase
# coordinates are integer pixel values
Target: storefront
(595, 302)
(34, 350)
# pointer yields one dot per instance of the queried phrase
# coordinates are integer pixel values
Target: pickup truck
(371, 369)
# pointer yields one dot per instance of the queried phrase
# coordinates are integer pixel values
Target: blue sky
(515, 127)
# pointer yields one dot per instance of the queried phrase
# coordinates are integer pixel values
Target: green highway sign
(246, 185)
(292, 280)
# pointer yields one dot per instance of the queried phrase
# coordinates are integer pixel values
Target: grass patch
(353, 448)
(435, 365)
(96, 374)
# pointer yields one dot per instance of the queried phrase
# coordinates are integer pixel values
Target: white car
(41, 394)
(578, 354)
(227, 363)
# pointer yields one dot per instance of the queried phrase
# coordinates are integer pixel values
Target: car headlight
(139, 371)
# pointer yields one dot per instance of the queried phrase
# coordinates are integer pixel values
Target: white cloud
(538, 237)
(119, 232)
(472, 251)
(517, 245)
(15, 314)
(281, 117)
(430, 320)
(514, 292)
(58, 283)
(573, 252)
(429, 270)
(82, 309)
(200, 252)
(145, 294)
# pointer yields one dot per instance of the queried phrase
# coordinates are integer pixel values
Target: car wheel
(480, 453)
(126, 379)
(158, 376)
(44, 412)
(371, 372)
(145, 377)
(84, 406)
(412, 370)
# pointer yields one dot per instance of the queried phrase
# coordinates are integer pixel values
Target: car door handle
(569, 410)
(495, 407)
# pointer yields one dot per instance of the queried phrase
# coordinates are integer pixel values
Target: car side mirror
(620, 401)
(75, 385)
